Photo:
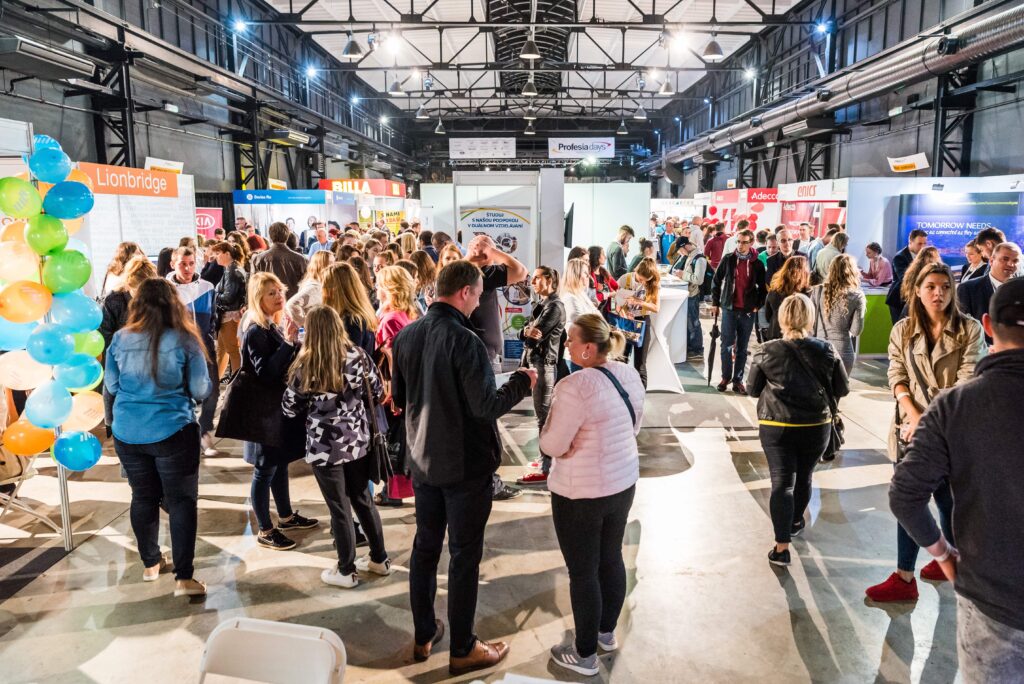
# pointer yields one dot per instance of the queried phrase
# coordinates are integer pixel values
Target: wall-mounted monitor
(953, 219)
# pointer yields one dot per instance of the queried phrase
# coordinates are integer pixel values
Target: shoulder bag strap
(833, 406)
(622, 393)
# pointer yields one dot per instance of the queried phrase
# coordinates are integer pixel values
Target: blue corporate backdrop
(952, 220)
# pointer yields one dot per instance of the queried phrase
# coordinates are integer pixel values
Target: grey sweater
(970, 436)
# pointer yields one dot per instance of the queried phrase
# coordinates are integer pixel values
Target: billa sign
(377, 187)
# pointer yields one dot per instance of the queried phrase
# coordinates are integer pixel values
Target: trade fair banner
(209, 219)
(481, 148)
(379, 187)
(580, 148)
(953, 219)
(513, 232)
(298, 209)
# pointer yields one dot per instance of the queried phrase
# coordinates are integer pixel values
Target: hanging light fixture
(530, 89)
(421, 113)
(352, 52)
(395, 89)
(530, 50)
(531, 113)
(439, 129)
(713, 51)
(666, 87)
(640, 114)
(622, 130)
(530, 130)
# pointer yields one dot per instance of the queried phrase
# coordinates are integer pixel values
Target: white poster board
(481, 148)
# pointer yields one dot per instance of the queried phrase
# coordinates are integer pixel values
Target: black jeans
(590, 535)
(344, 486)
(792, 453)
(542, 392)
(165, 471)
(463, 510)
(640, 352)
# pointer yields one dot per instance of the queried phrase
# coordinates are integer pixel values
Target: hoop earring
(584, 356)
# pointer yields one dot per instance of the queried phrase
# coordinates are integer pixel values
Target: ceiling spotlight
(310, 72)
(622, 130)
(530, 89)
(395, 89)
(679, 41)
(239, 26)
(355, 99)
(383, 119)
(530, 50)
(707, 100)
(590, 160)
(653, 74)
(530, 130)
(352, 52)
(822, 27)
(713, 51)
(640, 114)
(676, 119)
(439, 129)
(487, 168)
(393, 42)
(428, 81)
(531, 114)
(749, 74)
(641, 82)
(666, 88)
(422, 114)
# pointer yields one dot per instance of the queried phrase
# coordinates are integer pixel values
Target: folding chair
(11, 501)
(274, 652)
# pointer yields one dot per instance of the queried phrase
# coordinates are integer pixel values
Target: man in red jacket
(715, 247)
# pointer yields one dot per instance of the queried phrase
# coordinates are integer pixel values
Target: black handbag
(251, 411)
(380, 460)
(837, 437)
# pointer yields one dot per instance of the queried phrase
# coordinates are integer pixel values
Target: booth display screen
(952, 220)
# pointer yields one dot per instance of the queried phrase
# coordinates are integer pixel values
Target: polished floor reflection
(703, 603)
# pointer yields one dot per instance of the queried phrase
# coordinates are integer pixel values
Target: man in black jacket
(738, 291)
(444, 382)
(917, 241)
(974, 295)
(966, 436)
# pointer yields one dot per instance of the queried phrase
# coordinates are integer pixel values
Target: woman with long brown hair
(239, 239)
(156, 369)
(426, 276)
(365, 277)
(926, 257)
(114, 277)
(794, 277)
(840, 305)
(343, 291)
(230, 300)
(935, 347)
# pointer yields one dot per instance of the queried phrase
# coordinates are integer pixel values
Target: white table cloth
(668, 346)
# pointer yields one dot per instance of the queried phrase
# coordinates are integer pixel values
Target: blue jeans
(736, 329)
(907, 548)
(694, 334)
(269, 478)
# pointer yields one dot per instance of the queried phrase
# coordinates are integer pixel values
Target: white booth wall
(601, 208)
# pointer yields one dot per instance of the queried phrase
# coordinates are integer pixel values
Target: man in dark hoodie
(966, 437)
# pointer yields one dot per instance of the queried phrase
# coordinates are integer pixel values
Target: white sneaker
(334, 577)
(364, 564)
(206, 441)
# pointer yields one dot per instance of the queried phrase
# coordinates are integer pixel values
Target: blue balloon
(50, 344)
(77, 450)
(76, 312)
(42, 142)
(49, 405)
(50, 164)
(68, 200)
(79, 372)
(14, 335)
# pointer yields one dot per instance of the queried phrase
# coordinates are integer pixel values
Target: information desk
(669, 344)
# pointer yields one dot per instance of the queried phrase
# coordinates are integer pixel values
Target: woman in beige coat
(934, 348)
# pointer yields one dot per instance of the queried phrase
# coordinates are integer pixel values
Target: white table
(668, 346)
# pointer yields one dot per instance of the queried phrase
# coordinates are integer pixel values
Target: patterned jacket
(337, 428)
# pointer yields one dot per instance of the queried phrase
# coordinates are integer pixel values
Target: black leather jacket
(786, 393)
(549, 318)
(442, 378)
(231, 290)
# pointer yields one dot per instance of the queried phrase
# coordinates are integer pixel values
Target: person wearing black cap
(966, 436)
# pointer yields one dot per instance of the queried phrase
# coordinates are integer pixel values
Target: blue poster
(954, 219)
(279, 196)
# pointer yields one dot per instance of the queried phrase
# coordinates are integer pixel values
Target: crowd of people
(373, 357)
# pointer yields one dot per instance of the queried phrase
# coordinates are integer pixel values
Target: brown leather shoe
(421, 653)
(482, 656)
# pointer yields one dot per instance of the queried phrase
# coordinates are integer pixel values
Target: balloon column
(47, 325)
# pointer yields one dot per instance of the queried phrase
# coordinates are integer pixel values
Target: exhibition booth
(298, 209)
(759, 206)
(377, 199)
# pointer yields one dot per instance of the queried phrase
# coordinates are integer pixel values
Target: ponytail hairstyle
(593, 329)
(551, 274)
(319, 366)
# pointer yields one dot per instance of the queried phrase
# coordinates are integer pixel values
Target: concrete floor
(703, 605)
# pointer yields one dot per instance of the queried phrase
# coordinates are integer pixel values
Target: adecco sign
(579, 148)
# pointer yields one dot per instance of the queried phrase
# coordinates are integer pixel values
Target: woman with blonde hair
(796, 381)
(327, 383)
(644, 302)
(448, 254)
(590, 432)
(396, 291)
(840, 306)
(793, 277)
(934, 348)
(344, 292)
(310, 292)
(407, 241)
(576, 294)
(271, 441)
(113, 279)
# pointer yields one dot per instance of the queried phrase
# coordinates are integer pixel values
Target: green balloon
(66, 271)
(45, 234)
(90, 343)
(19, 198)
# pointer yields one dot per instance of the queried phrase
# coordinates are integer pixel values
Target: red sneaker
(893, 589)
(532, 479)
(933, 572)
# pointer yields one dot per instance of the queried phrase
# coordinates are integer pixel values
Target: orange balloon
(24, 302)
(73, 225)
(25, 439)
(14, 232)
(22, 176)
(80, 176)
(44, 188)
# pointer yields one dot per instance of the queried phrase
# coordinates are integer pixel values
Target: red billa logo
(205, 221)
(807, 191)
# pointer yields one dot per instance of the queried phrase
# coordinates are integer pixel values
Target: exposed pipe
(916, 61)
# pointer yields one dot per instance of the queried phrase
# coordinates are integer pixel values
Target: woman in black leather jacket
(544, 339)
(230, 292)
(792, 379)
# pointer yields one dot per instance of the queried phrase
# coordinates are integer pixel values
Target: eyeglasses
(744, 242)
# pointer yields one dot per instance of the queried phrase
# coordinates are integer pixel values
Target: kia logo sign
(205, 221)
(807, 191)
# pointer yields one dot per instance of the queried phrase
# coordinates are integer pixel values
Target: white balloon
(18, 262)
(20, 371)
(86, 412)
